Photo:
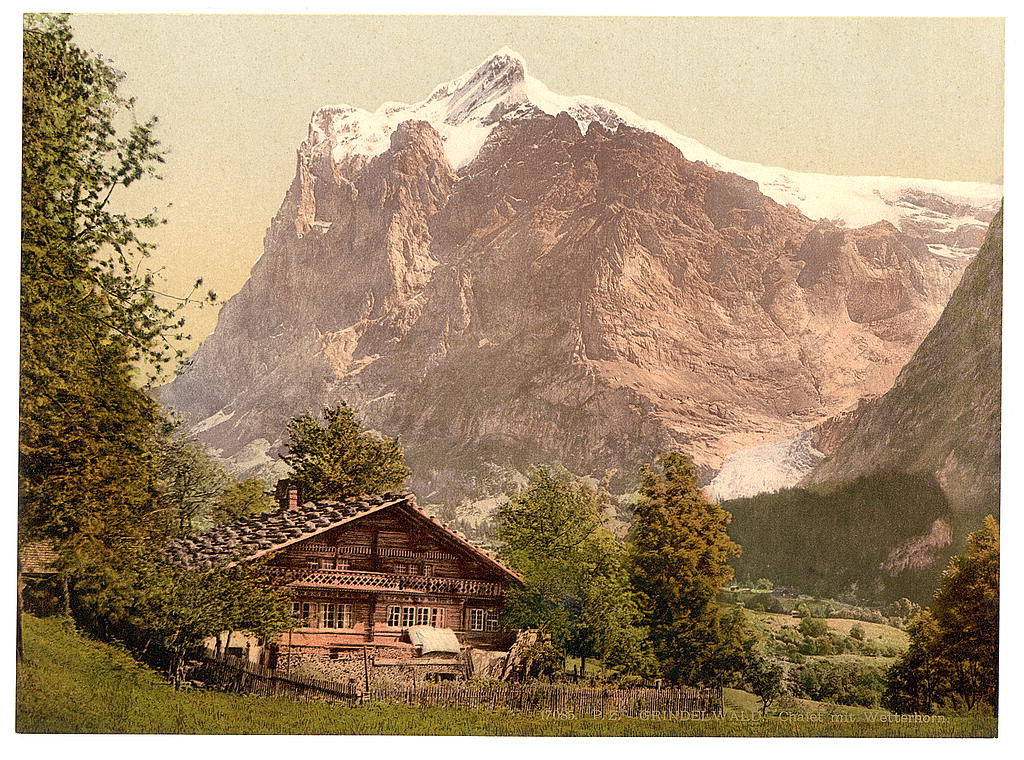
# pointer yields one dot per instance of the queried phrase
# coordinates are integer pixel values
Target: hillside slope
(942, 415)
(71, 684)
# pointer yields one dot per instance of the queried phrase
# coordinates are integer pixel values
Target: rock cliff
(942, 415)
(501, 275)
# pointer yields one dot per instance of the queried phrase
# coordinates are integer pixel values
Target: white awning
(429, 639)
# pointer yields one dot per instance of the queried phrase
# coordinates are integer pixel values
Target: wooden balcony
(358, 580)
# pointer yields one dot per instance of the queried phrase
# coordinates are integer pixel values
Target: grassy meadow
(69, 683)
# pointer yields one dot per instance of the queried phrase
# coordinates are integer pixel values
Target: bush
(843, 683)
(813, 627)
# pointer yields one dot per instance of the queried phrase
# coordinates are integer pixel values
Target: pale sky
(904, 97)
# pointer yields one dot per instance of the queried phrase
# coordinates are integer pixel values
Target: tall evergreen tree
(681, 553)
(953, 659)
(90, 313)
(340, 460)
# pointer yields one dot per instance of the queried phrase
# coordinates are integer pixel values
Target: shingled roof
(255, 536)
(37, 558)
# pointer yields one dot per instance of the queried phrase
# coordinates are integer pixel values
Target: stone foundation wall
(394, 668)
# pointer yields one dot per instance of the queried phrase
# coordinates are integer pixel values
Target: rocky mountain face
(499, 275)
(942, 415)
(909, 473)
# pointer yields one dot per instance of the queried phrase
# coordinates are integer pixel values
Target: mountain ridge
(590, 296)
(467, 108)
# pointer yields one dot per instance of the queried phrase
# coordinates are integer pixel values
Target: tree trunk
(19, 647)
(65, 595)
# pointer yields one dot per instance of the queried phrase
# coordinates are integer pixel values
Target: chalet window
(492, 620)
(313, 563)
(407, 568)
(408, 617)
(305, 611)
(428, 569)
(404, 617)
(476, 620)
(335, 615)
(333, 564)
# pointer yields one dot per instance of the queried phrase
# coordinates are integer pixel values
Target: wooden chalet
(362, 573)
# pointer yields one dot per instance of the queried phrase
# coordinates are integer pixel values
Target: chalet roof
(255, 536)
(37, 558)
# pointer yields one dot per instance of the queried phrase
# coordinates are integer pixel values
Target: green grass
(71, 684)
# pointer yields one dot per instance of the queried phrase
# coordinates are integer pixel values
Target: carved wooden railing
(368, 581)
(344, 550)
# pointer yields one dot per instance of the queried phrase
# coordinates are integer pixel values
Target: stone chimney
(287, 494)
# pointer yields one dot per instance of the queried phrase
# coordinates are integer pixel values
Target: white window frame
(437, 617)
(335, 615)
(404, 616)
(394, 619)
(307, 612)
(477, 616)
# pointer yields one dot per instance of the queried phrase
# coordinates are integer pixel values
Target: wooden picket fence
(555, 699)
(239, 675)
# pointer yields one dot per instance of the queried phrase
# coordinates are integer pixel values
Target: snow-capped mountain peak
(500, 80)
(466, 110)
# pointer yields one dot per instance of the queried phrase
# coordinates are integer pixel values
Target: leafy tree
(190, 482)
(241, 498)
(609, 623)
(91, 314)
(953, 660)
(552, 517)
(857, 632)
(764, 679)
(681, 554)
(917, 682)
(94, 478)
(339, 460)
(169, 610)
(843, 683)
(903, 609)
(577, 586)
(813, 627)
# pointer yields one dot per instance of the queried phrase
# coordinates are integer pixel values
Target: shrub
(813, 627)
(843, 683)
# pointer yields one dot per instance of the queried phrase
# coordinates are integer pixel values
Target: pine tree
(681, 550)
(953, 659)
(339, 460)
